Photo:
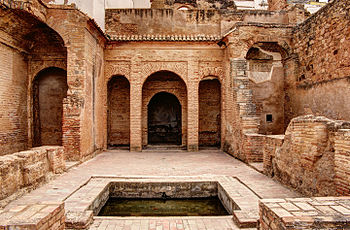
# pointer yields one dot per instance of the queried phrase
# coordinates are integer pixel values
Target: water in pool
(163, 207)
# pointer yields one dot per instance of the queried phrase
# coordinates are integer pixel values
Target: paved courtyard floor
(159, 163)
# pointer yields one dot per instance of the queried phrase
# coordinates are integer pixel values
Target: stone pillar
(72, 105)
(135, 108)
(193, 107)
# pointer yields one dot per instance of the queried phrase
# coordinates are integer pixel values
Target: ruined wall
(266, 75)
(13, 97)
(306, 160)
(118, 111)
(209, 112)
(320, 82)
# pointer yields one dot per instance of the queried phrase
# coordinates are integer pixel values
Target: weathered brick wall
(209, 113)
(306, 160)
(320, 81)
(27, 169)
(13, 98)
(277, 4)
(342, 160)
(272, 143)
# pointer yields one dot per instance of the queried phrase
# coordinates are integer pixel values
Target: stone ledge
(34, 217)
(305, 213)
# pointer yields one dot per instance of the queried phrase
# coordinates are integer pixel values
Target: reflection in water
(210, 206)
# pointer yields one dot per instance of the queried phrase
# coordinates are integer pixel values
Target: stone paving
(161, 163)
(170, 223)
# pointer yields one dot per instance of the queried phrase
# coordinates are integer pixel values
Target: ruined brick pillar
(276, 5)
(193, 107)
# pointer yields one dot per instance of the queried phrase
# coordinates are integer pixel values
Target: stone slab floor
(158, 163)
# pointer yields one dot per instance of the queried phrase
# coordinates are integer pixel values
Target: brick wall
(13, 97)
(320, 82)
(342, 159)
(308, 160)
(28, 169)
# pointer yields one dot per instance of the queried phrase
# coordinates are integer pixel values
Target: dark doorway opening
(164, 120)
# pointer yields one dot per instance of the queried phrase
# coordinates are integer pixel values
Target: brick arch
(285, 48)
(211, 69)
(177, 88)
(177, 68)
(39, 67)
(117, 69)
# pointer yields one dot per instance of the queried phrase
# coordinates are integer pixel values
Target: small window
(183, 8)
(269, 118)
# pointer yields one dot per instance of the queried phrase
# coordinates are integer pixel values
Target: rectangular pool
(209, 206)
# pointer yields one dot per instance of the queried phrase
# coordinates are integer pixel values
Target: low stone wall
(305, 213)
(34, 217)
(29, 168)
(271, 144)
(342, 161)
(313, 157)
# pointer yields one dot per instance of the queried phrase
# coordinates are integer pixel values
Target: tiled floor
(161, 163)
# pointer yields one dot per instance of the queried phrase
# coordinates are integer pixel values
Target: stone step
(163, 148)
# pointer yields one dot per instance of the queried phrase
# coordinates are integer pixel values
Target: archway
(164, 82)
(49, 89)
(118, 112)
(164, 119)
(210, 112)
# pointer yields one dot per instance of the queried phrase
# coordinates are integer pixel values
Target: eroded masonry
(270, 87)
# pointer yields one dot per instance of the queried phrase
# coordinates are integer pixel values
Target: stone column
(193, 106)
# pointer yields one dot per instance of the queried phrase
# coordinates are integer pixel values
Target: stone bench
(305, 213)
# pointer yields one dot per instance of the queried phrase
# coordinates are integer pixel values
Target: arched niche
(49, 89)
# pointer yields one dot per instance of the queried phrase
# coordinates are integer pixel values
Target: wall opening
(49, 89)
(210, 112)
(170, 83)
(118, 112)
(266, 80)
(164, 119)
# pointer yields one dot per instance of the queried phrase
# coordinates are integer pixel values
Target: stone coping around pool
(305, 213)
(238, 199)
(40, 216)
